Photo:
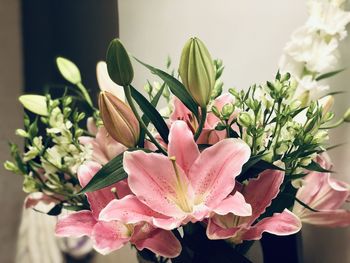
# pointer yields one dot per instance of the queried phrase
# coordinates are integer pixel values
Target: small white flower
(328, 17)
(313, 50)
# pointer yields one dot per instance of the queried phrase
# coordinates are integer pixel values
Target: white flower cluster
(313, 48)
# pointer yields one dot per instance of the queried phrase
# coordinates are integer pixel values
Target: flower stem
(334, 125)
(128, 96)
(85, 94)
(201, 123)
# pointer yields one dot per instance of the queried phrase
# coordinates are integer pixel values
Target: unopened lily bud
(326, 103)
(118, 64)
(119, 120)
(197, 71)
(347, 116)
(244, 119)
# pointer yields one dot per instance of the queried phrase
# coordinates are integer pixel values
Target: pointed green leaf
(176, 87)
(329, 74)
(152, 114)
(35, 103)
(145, 119)
(110, 173)
(313, 166)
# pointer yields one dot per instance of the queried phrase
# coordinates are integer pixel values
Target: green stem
(334, 125)
(201, 123)
(138, 117)
(85, 94)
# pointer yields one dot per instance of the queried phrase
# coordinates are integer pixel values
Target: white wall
(11, 196)
(249, 36)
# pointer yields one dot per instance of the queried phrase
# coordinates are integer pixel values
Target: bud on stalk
(119, 120)
(197, 71)
(118, 64)
(326, 103)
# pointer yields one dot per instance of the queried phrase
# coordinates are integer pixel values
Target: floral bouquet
(197, 181)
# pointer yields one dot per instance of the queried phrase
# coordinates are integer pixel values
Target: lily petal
(105, 83)
(159, 241)
(76, 224)
(216, 231)
(155, 181)
(110, 236)
(329, 218)
(185, 152)
(281, 224)
(234, 204)
(261, 191)
(97, 199)
(213, 173)
(130, 210)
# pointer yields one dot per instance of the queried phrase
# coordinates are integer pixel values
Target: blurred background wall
(11, 196)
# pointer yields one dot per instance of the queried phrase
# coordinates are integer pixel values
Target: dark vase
(286, 249)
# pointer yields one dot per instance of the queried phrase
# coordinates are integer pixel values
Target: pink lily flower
(184, 186)
(259, 193)
(209, 135)
(104, 147)
(325, 194)
(110, 236)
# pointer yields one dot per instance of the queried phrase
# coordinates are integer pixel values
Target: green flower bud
(29, 184)
(22, 133)
(118, 64)
(326, 103)
(35, 103)
(282, 148)
(217, 90)
(197, 71)
(295, 105)
(10, 166)
(244, 119)
(68, 70)
(304, 98)
(347, 116)
(227, 110)
(148, 88)
(320, 137)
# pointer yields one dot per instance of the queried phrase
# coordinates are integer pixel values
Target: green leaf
(295, 176)
(334, 93)
(255, 167)
(313, 166)
(176, 87)
(252, 161)
(56, 210)
(68, 70)
(35, 103)
(145, 119)
(152, 114)
(110, 173)
(329, 74)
